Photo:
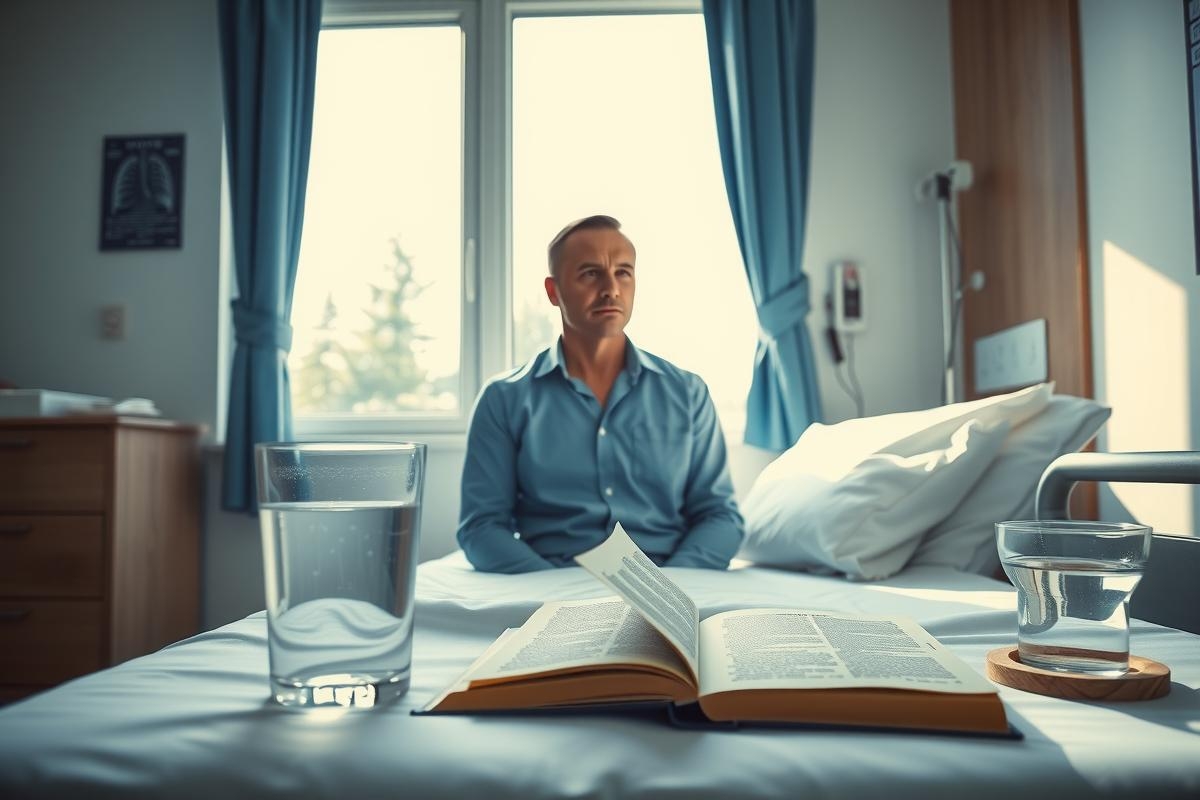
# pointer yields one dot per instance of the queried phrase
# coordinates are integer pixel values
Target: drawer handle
(13, 616)
(14, 530)
(15, 444)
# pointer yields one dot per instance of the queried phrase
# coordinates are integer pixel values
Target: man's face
(593, 283)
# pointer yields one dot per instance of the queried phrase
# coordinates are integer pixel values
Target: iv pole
(950, 292)
(941, 185)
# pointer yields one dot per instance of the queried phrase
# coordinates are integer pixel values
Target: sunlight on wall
(1146, 361)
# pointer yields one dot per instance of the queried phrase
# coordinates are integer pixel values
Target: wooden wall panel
(1019, 121)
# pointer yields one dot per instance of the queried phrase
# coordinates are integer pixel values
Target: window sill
(435, 441)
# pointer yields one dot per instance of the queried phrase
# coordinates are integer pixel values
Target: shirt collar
(636, 360)
(552, 359)
(549, 360)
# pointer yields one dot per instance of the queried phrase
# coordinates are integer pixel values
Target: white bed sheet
(194, 719)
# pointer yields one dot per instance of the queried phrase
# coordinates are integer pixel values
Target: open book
(773, 665)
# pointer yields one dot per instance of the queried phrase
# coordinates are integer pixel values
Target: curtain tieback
(784, 311)
(260, 328)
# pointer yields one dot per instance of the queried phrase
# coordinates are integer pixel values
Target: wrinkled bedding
(195, 720)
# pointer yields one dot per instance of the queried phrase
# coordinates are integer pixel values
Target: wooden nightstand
(99, 544)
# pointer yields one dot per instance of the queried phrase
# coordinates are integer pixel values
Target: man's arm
(489, 491)
(715, 527)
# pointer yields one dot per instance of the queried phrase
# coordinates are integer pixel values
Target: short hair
(554, 251)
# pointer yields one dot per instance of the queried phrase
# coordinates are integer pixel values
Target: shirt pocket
(661, 456)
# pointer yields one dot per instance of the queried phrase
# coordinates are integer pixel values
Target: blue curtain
(269, 60)
(760, 53)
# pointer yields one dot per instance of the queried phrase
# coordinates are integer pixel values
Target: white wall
(1145, 292)
(883, 117)
(74, 71)
(71, 73)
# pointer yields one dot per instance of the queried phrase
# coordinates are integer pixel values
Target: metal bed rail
(1169, 592)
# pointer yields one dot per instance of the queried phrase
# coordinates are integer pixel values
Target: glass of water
(340, 526)
(1073, 581)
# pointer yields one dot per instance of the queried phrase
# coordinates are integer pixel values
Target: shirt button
(603, 432)
(516, 535)
(608, 491)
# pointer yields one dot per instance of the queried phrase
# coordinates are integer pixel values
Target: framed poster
(1191, 27)
(142, 192)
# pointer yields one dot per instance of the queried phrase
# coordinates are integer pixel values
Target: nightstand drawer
(48, 641)
(51, 556)
(53, 469)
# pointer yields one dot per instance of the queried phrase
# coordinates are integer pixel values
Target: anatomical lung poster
(142, 188)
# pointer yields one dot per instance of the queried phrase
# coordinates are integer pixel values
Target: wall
(1144, 287)
(882, 119)
(73, 72)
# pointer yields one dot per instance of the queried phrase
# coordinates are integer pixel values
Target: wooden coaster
(1146, 679)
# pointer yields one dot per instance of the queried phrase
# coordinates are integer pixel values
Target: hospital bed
(195, 720)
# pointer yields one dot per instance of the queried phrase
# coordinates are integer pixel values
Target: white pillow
(966, 538)
(912, 432)
(810, 510)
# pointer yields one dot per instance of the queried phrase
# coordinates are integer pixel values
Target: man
(594, 431)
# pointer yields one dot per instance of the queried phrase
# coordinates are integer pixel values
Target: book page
(464, 680)
(789, 649)
(624, 568)
(576, 634)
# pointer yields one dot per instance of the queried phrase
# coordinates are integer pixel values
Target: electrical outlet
(112, 322)
(1011, 358)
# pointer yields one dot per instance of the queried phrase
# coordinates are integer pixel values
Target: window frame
(486, 334)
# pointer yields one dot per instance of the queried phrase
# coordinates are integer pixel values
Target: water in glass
(339, 599)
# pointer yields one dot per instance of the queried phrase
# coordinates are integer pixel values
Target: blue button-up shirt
(548, 472)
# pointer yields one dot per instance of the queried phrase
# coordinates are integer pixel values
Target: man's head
(591, 277)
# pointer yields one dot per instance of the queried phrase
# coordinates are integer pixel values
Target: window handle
(469, 272)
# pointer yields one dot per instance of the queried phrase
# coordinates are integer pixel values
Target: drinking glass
(1073, 581)
(340, 525)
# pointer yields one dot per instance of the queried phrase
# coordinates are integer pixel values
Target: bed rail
(1169, 592)
(1060, 477)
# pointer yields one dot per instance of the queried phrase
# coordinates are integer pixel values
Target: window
(376, 311)
(614, 115)
(451, 140)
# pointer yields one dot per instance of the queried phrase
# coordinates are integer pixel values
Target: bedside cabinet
(99, 544)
